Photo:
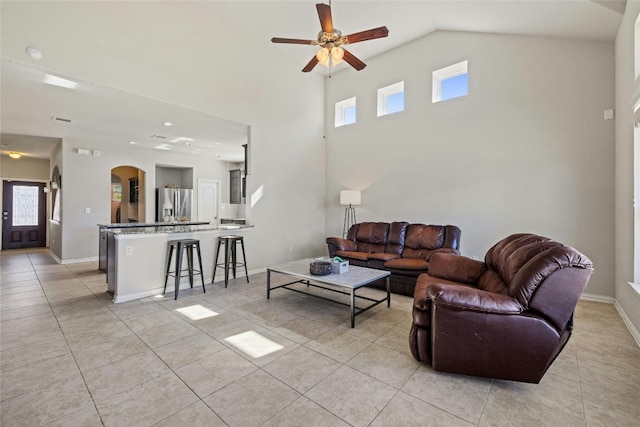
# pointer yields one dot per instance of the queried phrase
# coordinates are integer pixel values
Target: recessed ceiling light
(132, 142)
(162, 147)
(34, 53)
(59, 81)
(181, 138)
(15, 155)
(167, 123)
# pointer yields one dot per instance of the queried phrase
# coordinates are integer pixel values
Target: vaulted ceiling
(98, 42)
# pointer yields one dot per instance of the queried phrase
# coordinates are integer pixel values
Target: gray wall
(24, 168)
(627, 92)
(526, 151)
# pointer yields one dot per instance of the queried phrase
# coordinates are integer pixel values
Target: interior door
(24, 213)
(208, 194)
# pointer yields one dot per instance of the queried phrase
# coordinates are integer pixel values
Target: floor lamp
(349, 198)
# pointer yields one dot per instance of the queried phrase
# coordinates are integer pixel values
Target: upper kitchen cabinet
(237, 187)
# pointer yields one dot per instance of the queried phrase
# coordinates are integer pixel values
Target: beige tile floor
(70, 357)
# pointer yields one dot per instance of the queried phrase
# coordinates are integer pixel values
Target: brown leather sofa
(402, 248)
(507, 317)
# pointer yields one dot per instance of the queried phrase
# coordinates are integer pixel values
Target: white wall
(627, 92)
(86, 184)
(526, 151)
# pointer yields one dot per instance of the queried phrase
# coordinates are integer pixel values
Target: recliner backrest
(522, 262)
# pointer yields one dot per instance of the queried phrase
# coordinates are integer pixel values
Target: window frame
(443, 74)
(384, 93)
(340, 109)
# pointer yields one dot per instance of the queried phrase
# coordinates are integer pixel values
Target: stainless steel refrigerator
(174, 204)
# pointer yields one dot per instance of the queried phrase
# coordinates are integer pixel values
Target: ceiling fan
(331, 40)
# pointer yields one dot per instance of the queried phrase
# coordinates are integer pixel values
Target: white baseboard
(634, 332)
(71, 261)
(598, 298)
(75, 261)
(610, 300)
(55, 257)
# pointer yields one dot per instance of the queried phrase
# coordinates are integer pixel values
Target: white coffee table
(347, 283)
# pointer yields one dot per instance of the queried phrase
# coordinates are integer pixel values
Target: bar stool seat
(182, 245)
(230, 243)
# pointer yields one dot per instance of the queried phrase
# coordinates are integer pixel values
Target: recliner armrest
(339, 244)
(456, 268)
(466, 298)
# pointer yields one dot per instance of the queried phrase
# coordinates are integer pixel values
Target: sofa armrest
(456, 268)
(471, 299)
(450, 251)
(338, 244)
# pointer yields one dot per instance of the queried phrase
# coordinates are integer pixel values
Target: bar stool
(230, 243)
(183, 245)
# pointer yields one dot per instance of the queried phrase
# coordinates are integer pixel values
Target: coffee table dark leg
(268, 282)
(353, 307)
(388, 286)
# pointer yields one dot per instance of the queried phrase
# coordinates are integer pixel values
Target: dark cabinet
(235, 186)
(133, 190)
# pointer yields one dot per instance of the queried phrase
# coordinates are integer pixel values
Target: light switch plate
(87, 210)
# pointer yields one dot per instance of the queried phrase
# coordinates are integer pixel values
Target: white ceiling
(105, 115)
(98, 39)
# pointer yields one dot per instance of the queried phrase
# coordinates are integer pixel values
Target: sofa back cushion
(422, 239)
(372, 236)
(397, 236)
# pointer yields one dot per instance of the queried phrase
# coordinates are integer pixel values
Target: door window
(25, 205)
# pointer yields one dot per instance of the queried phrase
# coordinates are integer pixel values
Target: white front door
(208, 200)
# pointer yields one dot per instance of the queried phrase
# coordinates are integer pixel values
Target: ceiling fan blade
(353, 61)
(374, 33)
(310, 65)
(324, 13)
(292, 41)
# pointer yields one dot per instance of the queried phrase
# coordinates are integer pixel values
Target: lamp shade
(350, 197)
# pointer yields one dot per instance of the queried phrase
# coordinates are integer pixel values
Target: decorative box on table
(339, 266)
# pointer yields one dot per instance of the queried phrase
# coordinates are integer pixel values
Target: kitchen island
(137, 256)
(102, 231)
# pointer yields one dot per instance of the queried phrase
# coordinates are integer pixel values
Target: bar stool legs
(230, 243)
(182, 246)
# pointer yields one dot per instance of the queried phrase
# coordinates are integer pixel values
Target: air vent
(61, 119)
(158, 137)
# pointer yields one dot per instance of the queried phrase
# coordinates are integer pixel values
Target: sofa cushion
(363, 256)
(397, 235)
(372, 236)
(383, 256)
(422, 239)
(414, 264)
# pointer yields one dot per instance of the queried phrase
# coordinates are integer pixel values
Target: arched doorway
(127, 195)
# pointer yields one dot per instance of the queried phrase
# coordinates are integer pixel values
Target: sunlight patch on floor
(196, 312)
(253, 344)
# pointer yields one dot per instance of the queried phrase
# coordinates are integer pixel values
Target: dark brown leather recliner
(507, 317)
(402, 248)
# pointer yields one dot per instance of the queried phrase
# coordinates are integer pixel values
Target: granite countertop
(178, 228)
(152, 224)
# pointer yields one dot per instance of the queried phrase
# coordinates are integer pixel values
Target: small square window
(391, 99)
(345, 112)
(450, 82)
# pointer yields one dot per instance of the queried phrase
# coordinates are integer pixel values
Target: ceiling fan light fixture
(337, 53)
(323, 56)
